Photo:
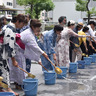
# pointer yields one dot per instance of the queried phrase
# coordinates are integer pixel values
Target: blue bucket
(30, 87)
(73, 67)
(93, 58)
(94, 53)
(7, 94)
(63, 74)
(50, 77)
(81, 64)
(88, 60)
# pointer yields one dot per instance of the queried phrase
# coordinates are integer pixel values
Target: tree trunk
(31, 9)
(88, 11)
(37, 12)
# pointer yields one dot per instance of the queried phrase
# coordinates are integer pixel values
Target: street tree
(34, 7)
(83, 5)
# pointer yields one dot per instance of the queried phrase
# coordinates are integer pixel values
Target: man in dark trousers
(75, 51)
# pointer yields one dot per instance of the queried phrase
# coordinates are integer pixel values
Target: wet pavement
(82, 83)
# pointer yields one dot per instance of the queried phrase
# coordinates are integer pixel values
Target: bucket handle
(50, 78)
(30, 88)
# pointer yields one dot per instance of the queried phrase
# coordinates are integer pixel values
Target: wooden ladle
(57, 70)
(29, 74)
(43, 67)
(3, 84)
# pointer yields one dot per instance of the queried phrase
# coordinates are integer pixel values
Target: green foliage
(81, 5)
(36, 6)
(93, 11)
(49, 27)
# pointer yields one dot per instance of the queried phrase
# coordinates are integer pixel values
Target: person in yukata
(62, 48)
(26, 26)
(32, 50)
(17, 75)
(7, 50)
(26, 48)
(47, 42)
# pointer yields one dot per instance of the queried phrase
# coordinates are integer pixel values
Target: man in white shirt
(91, 32)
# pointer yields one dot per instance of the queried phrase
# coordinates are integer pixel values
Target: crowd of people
(21, 41)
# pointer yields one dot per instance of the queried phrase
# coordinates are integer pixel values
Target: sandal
(18, 86)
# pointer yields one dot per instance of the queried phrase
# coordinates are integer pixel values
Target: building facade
(11, 8)
(67, 8)
(7, 4)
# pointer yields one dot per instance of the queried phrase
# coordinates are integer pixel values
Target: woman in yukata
(28, 48)
(7, 50)
(62, 48)
(32, 50)
(47, 42)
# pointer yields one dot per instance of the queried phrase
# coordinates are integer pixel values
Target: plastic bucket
(50, 77)
(73, 67)
(30, 87)
(81, 64)
(88, 60)
(94, 53)
(6, 94)
(93, 58)
(63, 74)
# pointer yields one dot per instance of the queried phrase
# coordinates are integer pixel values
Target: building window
(42, 14)
(45, 14)
(9, 12)
(9, 3)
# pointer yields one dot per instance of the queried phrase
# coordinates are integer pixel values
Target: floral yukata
(62, 48)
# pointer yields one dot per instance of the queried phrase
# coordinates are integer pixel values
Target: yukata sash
(18, 41)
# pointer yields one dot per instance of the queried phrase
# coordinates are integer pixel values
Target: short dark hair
(92, 22)
(35, 23)
(19, 17)
(61, 19)
(14, 19)
(85, 28)
(58, 28)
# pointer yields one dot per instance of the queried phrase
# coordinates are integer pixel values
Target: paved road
(82, 83)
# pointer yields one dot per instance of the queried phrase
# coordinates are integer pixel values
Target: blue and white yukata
(47, 44)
